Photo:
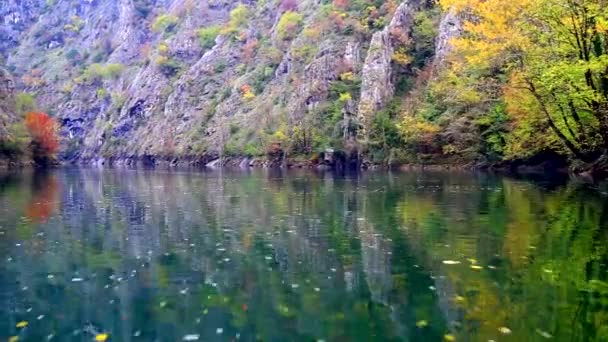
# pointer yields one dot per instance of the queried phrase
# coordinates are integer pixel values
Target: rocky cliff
(193, 80)
(377, 79)
(7, 104)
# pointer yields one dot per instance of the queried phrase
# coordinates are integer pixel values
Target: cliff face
(377, 86)
(7, 103)
(166, 79)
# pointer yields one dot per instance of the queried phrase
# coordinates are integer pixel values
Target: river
(144, 255)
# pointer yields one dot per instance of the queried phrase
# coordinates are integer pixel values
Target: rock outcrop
(7, 114)
(131, 80)
(377, 86)
(450, 28)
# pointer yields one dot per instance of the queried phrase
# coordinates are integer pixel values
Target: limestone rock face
(123, 86)
(7, 115)
(450, 27)
(377, 86)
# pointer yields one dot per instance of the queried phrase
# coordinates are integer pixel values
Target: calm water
(268, 256)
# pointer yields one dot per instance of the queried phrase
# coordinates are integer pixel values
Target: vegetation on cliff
(467, 82)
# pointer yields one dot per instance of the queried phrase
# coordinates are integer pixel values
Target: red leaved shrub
(43, 130)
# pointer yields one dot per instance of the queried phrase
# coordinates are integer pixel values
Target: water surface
(271, 256)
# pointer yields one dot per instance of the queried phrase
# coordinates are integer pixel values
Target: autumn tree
(249, 49)
(43, 131)
(288, 25)
(554, 56)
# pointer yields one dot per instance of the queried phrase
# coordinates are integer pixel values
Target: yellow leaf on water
(504, 330)
(101, 337)
(422, 324)
(476, 267)
(13, 339)
(449, 337)
(451, 262)
(22, 324)
(459, 299)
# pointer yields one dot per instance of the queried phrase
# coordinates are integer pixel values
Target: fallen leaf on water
(459, 299)
(451, 262)
(476, 267)
(13, 339)
(544, 333)
(422, 324)
(504, 330)
(449, 337)
(22, 324)
(472, 261)
(101, 337)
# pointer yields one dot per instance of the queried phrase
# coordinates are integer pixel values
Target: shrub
(288, 25)
(96, 71)
(43, 131)
(164, 23)
(167, 66)
(207, 36)
(76, 24)
(24, 102)
(238, 19)
(16, 143)
(163, 48)
(247, 92)
(238, 16)
(101, 93)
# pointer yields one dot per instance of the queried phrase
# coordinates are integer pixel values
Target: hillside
(387, 81)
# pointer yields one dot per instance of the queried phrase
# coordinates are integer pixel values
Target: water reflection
(163, 256)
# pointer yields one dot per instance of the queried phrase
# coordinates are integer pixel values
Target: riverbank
(538, 165)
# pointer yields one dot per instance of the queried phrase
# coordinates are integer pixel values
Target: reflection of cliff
(376, 262)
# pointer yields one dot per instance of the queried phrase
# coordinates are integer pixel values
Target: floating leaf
(101, 337)
(544, 333)
(451, 262)
(449, 337)
(476, 267)
(459, 299)
(13, 339)
(504, 330)
(422, 324)
(22, 324)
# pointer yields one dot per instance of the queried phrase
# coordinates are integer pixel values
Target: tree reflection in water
(159, 255)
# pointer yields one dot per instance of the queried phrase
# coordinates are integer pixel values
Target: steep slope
(7, 105)
(190, 80)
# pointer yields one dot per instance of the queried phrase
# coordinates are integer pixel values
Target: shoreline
(213, 162)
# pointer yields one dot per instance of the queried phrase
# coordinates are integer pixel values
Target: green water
(271, 256)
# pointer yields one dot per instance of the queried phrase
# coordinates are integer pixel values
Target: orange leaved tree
(43, 131)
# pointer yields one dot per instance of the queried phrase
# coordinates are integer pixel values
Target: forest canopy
(532, 75)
